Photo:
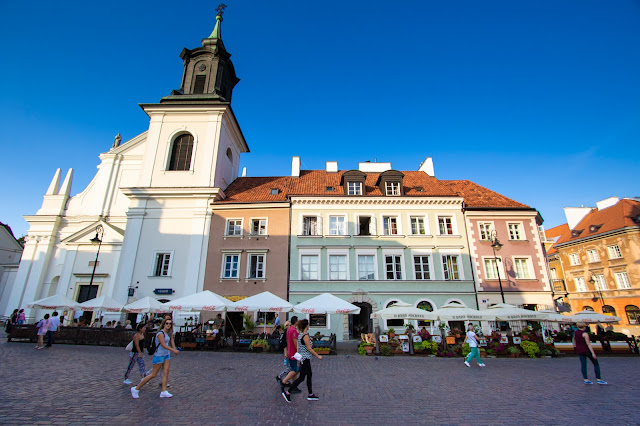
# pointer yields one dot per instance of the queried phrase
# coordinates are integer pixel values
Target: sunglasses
(168, 323)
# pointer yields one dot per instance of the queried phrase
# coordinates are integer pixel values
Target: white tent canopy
(507, 312)
(57, 301)
(402, 310)
(263, 302)
(145, 305)
(554, 316)
(203, 301)
(326, 303)
(593, 317)
(102, 303)
(459, 312)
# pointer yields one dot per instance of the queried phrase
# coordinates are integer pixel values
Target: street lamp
(595, 285)
(496, 246)
(96, 240)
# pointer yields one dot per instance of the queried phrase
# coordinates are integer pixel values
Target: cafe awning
(326, 303)
(203, 301)
(402, 310)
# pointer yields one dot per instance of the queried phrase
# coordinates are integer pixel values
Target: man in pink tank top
(292, 348)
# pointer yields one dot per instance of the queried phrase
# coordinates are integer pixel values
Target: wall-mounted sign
(384, 338)
(163, 291)
(517, 340)
(131, 291)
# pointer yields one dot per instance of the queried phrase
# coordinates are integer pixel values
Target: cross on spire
(220, 9)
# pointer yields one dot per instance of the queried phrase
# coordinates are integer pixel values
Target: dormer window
(329, 189)
(392, 188)
(275, 191)
(594, 228)
(354, 188)
(576, 233)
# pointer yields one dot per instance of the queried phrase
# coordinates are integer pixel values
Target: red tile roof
(556, 232)
(623, 214)
(316, 182)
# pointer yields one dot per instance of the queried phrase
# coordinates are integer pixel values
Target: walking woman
(582, 344)
(137, 354)
(161, 358)
(306, 351)
(472, 340)
(43, 327)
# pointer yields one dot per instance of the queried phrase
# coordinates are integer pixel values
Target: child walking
(136, 355)
(306, 351)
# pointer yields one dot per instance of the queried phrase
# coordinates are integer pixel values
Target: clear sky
(539, 101)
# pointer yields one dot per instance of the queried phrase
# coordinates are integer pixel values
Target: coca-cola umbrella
(203, 301)
(590, 317)
(326, 303)
(403, 310)
(146, 305)
(102, 303)
(57, 301)
(263, 302)
(459, 312)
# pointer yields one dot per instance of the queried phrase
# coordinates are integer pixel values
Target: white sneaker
(165, 394)
(127, 382)
(481, 365)
(135, 393)
(467, 364)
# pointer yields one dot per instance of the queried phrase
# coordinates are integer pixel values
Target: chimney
(244, 172)
(607, 202)
(575, 215)
(369, 167)
(427, 167)
(295, 167)
(332, 166)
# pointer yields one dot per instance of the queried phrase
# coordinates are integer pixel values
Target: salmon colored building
(600, 258)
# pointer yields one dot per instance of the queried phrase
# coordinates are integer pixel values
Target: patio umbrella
(54, 302)
(263, 302)
(202, 301)
(553, 316)
(102, 303)
(593, 317)
(145, 305)
(507, 312)
(460, 312)
(326, 303)
(402, 310)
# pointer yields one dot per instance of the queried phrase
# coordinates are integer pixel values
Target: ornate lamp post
(496, 246)
(595, 285)
(96, 240)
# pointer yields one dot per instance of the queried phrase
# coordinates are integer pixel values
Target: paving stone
(83, 385)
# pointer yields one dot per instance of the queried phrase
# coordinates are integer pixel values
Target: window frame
(425, 224)
(154, 263)
(318, 225)
(600, 282)
(335, 254)
(529, 264)
(358, 188)
(371, 253)
(614, 248)
(581, 285)
(386, 253)
(454, 228)
(458, 264)
(595, 259)
(573, 256)
(345, 223)
(391, 187)
(429, 264)
(223, 269)
(519, 230)
(627, 282)
(481, 230)
(259, 219)
(170, 145)
(384, 225)
(251, 255)
(492, 268)
(226, 227)
(301, 255)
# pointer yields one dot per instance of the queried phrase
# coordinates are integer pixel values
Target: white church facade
(148, 204)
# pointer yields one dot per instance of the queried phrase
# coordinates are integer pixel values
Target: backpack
(152, 346)
(283, 341)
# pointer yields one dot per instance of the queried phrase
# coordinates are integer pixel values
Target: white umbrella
(263, 302)
(202, 301)
(145, 305)
(460, 312)
(54, 302)
(326, 303)
(593, 317)
(506, 312)
(402, 310)
(554, 316)
(102, 303)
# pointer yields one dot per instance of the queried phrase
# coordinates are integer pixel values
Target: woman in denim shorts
(161, 358)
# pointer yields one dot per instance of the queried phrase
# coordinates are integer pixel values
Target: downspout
(473, 275)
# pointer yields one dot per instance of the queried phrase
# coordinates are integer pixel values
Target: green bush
(385, 350)
(514, 350)
(361, 349)
(429, 346)
(530, 348)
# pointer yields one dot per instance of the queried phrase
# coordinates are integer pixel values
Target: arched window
(587, 308)
(609, 310)
(181, 150)
(229, 155)
(394, 322)
(633, 314)
(427, 307)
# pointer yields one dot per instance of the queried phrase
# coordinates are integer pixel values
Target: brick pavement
(83, 385)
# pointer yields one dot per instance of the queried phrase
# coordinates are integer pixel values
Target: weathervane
(220, 9)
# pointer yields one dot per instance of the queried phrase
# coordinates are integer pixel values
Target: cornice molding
(454, 201)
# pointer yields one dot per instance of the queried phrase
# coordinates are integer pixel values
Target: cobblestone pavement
(83, 385)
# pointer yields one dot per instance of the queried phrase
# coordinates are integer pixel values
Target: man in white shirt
(55, 323)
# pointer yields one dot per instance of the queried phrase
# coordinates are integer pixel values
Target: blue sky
(539, 101)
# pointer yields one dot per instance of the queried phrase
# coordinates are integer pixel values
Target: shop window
(394, 322)
(633, 314)
(318, 320)
(427, 307)
(609, 310)
(588, 308)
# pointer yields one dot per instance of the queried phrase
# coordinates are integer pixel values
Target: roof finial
(216, 30)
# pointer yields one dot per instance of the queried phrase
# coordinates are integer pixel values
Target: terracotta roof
(476, 196)
(323, 183)
(556, 233)
(624, 213)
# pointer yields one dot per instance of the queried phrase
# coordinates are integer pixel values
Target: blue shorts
(293, 365)
(160, 359)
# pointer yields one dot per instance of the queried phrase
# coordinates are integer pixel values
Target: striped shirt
(302, 348)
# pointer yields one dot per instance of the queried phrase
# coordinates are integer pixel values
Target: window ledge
(230, 279)
(233, 236)
(258, 236)
(366, 236)
(392, 236)
(420, 236)
(338, 236)
(309, 236)
(450, 236)
(164, 172)
(158, 276)
(522, 241)
(255, 279)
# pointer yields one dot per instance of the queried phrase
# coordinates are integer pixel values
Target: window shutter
(320, 230)
(372, 226)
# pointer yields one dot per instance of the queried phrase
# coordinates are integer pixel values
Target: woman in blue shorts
(161, 358)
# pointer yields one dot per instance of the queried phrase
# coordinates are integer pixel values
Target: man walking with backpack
(291, 349)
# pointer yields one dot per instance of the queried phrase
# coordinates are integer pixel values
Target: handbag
(129, 347)
(297, 356)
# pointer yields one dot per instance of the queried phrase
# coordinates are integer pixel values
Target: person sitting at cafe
(276, 332)
(96, 323)
(218, 322)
